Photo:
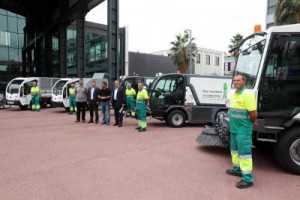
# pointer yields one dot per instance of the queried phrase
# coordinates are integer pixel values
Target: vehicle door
(25, 92)
(279, 90)
(168, 91)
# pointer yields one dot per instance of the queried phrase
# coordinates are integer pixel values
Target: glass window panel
(207, 60)
(21, 40)
(3, 12)
(4, 40)
(3, 53)
(14, 40)
(20, 55)
(198, 58)
(12, 24)
(217, 61)
(13, 54)
(3, 68)
(272, 2)
(3, 24)
(21, 25)
(11, 14)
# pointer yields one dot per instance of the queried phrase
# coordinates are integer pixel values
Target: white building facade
(206, 62)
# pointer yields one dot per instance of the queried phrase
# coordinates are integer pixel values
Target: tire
(43, 105)
(220, 114)
(176, 118)
(23, 107)
(287, 151)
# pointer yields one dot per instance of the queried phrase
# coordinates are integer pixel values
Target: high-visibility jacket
(34, 90)
(140, 99)
(130, 92)
(240, 105)
(72, 92)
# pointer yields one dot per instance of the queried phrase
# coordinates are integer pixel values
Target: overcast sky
(153, 24)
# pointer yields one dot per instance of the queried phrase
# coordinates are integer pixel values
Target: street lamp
(188, 31)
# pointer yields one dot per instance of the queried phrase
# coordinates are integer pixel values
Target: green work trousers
(241, 154)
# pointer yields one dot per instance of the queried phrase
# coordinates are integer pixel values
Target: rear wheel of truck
(287, 151)
(23, 107)
(43, 104)
(176, 118)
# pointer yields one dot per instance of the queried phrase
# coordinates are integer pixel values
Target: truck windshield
(57, 90)
(249, 61)
(14, 86)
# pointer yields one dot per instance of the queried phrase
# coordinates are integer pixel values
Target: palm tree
(287, 12)
(235, 41)
(181, 50)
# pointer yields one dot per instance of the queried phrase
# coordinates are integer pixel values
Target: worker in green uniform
(130, 94)
(141, 108)
(242, 119)
(72, 99)
(35, 100)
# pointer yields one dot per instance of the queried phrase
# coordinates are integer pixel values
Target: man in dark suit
(93, 101)
(118, 103)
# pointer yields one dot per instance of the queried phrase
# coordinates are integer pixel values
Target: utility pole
(188, 31)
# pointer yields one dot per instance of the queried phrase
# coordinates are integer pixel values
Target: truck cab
(57, 92)
(18, 92)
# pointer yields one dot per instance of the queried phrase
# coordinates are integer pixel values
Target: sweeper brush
(209, 137)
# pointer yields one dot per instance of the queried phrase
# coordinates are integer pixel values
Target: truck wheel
(43, 104)
(176, 118)
(23, 107)
(287, 151)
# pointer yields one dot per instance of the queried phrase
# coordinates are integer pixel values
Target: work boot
(243, 184)
(138, 128)
(142, 130)
(233, 173)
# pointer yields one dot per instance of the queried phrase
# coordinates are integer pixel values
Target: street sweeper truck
(188, 98)
(18, 91)
(270, 61)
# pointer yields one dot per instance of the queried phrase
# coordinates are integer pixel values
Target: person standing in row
(72, 96)
(93, 102)
(141, 108)
(130, 95)
(118, 103)
(35, 101)
(81, 97)
(104, 96)
(242, 117)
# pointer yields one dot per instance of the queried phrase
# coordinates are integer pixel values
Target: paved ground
(47, 156)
